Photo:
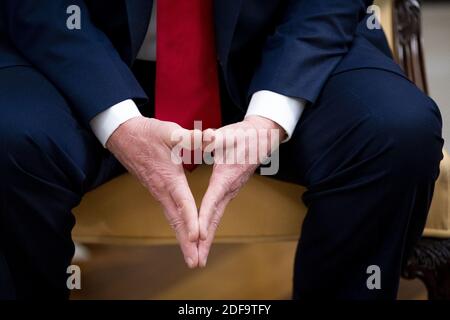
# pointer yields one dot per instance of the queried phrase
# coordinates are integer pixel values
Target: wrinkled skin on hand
(228, 178)
(144, 146)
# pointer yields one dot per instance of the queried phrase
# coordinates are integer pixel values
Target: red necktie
(187, 87)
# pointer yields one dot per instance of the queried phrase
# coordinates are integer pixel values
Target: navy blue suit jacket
(287, 46)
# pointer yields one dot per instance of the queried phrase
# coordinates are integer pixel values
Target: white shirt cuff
(283, 110)
(106, 122)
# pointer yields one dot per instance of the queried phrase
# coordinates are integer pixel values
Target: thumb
(185, 139)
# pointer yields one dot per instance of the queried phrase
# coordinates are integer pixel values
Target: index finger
(186, 207)
(210, 206)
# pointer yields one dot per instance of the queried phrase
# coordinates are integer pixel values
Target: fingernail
(204, 263)
(190, 262)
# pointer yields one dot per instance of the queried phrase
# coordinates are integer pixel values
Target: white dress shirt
(283, 110)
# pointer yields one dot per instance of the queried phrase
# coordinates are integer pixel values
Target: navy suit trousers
(368, 152)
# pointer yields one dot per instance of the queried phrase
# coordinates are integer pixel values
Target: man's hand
(230, 175)
(144, 147)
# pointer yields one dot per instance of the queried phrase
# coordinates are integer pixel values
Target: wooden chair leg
(430, 262)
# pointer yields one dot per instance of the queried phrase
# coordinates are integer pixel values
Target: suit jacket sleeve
(308, 43)
(82, 64)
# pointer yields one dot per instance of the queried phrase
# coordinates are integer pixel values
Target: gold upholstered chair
(123, 212)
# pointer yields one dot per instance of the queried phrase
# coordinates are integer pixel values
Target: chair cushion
(122, 211)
